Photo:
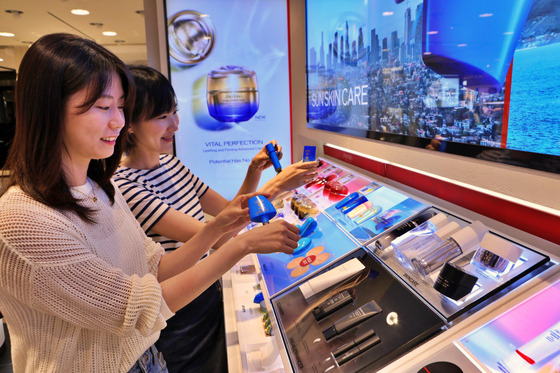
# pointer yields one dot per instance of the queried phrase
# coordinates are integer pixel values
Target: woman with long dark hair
(82, 288)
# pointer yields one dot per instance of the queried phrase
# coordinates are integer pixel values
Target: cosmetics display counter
(380, 274)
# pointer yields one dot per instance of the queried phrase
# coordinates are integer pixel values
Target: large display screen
(477, 78)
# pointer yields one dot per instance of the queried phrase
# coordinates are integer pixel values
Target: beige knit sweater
(77, 297)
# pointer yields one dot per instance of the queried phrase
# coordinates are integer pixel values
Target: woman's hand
(235, 215)
(277, 236)
(295, 175)
(261, 161)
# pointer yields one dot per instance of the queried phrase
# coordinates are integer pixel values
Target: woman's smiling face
(156, 135)
(92, 134)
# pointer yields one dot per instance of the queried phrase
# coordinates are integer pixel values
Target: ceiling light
(109, 33)
(385, 14)
(1, 59)
(80, 12)
(7, 34)
(484, 15)
(15, 13)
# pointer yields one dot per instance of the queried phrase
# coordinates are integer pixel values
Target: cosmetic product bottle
(298, 203)
(349, 321)
(358, 350)
(332, 305)
(536, 350)
(331, 277)
(461, 242)
(343, 180)
(354, 342)
(496, 255)
(232, 94)
(454, 282)
(294, 200)
(352, 205)
(347, 200)
(359, 209)
(428, 227)
(337, 192)
(306, 208)
(422, 243)
(261, 209)
(385, 241)
(273, 155)
(368, 214)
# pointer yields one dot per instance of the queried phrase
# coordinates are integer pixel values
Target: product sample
(385, 241)
(368, 214)
(359, 209)
(496, 255)
(232, 94)
(424, 243)
(273, 155)
(461, 242)
(358, 350)
(337, 192)
(353, 343)
(347, 200)
(332, 305)
(353, 204)
(260, 209)
(309, 153)
(454, 282)
(536, 350)
(331, 277)
(424, 229)
(366, 311)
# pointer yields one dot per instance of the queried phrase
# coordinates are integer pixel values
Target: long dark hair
(55, 67)
(154, 96)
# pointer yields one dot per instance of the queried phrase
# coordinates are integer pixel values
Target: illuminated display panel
(475, 78)
(524, 339)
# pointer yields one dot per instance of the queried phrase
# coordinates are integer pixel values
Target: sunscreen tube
(538, 348)
(330, 278)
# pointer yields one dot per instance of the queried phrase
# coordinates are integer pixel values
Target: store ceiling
(41, 17)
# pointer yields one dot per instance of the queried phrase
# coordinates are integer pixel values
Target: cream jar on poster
(232, 94)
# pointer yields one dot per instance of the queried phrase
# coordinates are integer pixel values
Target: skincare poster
(524, 339)
(229, 66)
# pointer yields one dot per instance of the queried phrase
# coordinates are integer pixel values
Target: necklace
(94, 198)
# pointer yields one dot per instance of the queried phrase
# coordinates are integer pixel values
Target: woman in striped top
(169, 201)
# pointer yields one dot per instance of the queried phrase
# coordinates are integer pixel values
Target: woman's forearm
(189, 253)
(185, 286)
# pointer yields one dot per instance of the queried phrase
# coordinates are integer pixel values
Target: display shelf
(413, 312)
(487, 284)
(400, 322)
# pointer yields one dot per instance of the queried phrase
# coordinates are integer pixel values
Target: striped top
(151, 193)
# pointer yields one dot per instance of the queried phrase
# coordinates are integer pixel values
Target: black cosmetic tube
(353, 343)
(359, 349)
(349, 321)
(332, 305)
